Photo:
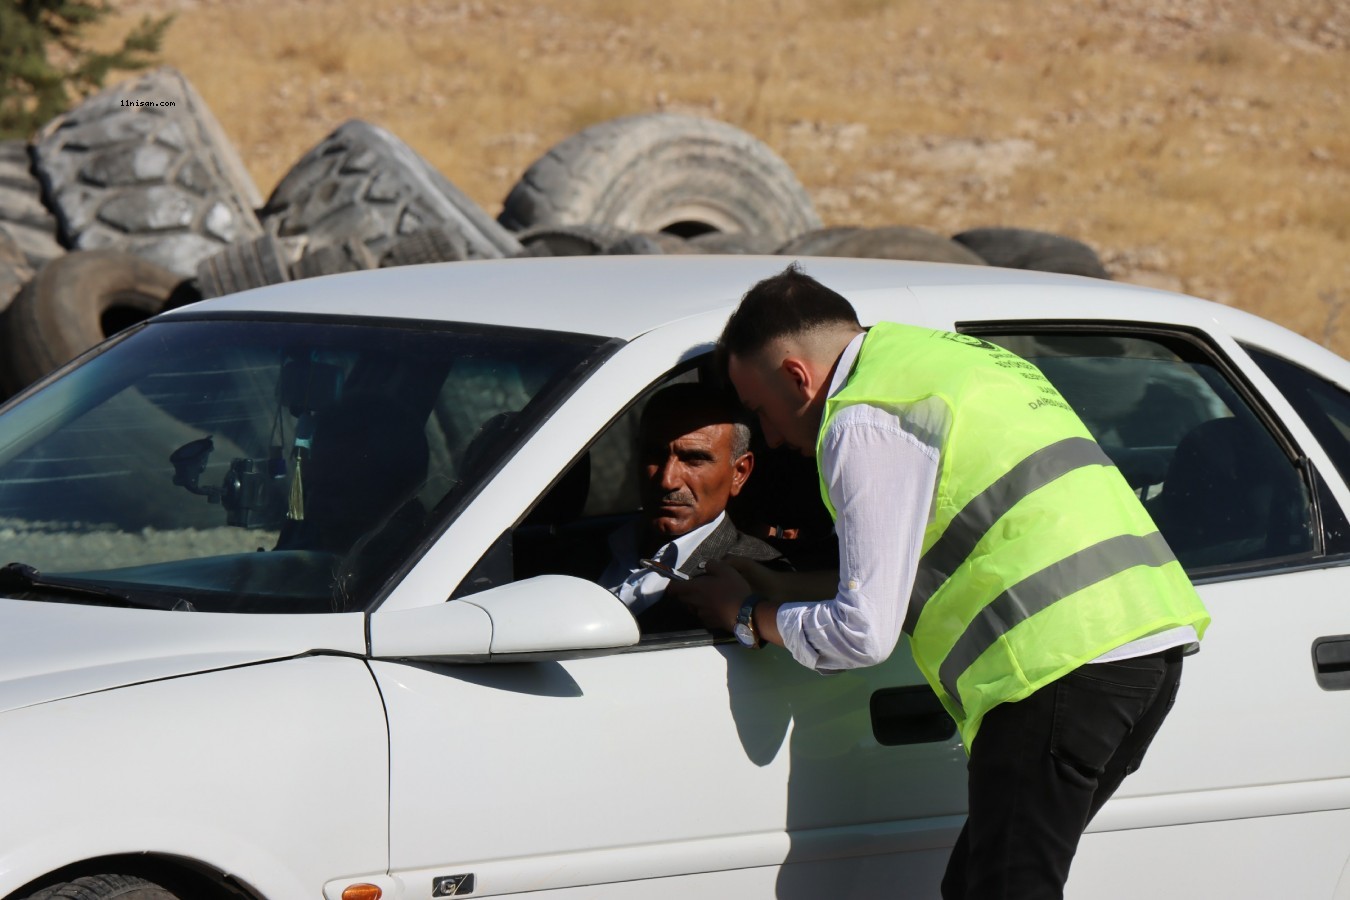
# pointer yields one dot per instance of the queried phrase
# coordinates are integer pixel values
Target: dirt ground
(1199, 145)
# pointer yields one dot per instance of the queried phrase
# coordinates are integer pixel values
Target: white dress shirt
(640, 588)
(881, 468)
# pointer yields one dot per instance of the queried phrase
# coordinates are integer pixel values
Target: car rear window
(1220, 487)
(1323, 406)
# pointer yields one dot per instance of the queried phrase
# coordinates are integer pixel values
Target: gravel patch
(62, 546)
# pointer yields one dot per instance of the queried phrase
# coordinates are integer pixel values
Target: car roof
(628, 296)
(612, 296)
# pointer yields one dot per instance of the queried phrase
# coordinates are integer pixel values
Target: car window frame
(1321, 505)
(703, 364)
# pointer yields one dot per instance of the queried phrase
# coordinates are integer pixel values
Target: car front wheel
(104, 887)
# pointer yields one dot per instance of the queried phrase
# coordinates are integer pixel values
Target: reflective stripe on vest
(1036, 592)
(979, 515)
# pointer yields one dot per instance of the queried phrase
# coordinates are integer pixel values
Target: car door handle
(909, 715)
(1331, 662)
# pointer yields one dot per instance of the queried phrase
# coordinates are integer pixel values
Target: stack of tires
(116, 211)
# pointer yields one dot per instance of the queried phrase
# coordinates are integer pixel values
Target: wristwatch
(745, 623)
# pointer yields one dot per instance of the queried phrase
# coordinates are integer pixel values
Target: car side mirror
(546, 617)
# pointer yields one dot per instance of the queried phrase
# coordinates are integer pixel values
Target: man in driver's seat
(693, 457)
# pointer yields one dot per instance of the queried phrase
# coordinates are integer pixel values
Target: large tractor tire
(662, 172)
(23, 216)
(362, 184)
(162, 182)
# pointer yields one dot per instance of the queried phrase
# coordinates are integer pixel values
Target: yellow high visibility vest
(1038, 556)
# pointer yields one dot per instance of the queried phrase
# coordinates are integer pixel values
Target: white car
(293, 607)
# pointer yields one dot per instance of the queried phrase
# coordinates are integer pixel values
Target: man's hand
(715, 598)
(759, 577)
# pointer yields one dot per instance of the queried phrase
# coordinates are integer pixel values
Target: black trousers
(1040, 769)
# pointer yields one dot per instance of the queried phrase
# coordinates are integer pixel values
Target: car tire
(72, 304)
(104, 887)
(433, 244)
(646, 243)
(15, 271)
(1041, 251)
(662, 172)
(242, 266)
(901, 242)
(816, 242)
(161, 182)
(333, 259)
(570, 240)
(362, 183)
(23, 216)
(733, 243)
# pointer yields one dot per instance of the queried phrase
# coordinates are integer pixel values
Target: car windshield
(265, 466)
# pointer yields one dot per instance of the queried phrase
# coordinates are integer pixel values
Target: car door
(1252, 757)
(686, 763)
(699, 763)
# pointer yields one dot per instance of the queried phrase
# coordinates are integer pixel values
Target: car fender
(299, 751)
(49, 651)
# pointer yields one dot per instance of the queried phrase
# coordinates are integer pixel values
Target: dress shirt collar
(624, 543)
(845, 367)
(640, 588)
(686, 544)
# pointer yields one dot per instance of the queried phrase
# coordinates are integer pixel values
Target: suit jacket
(725, 541)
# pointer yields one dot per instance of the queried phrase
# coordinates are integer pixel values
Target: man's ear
(799, 375)
(741, 467)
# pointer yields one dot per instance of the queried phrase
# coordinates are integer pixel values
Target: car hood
(49, 651)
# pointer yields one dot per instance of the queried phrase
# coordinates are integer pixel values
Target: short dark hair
(790, 302)
(716, 405)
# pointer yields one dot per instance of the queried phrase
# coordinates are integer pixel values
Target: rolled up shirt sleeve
(881, 479)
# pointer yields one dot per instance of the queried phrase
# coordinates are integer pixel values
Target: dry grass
(1201, 143)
